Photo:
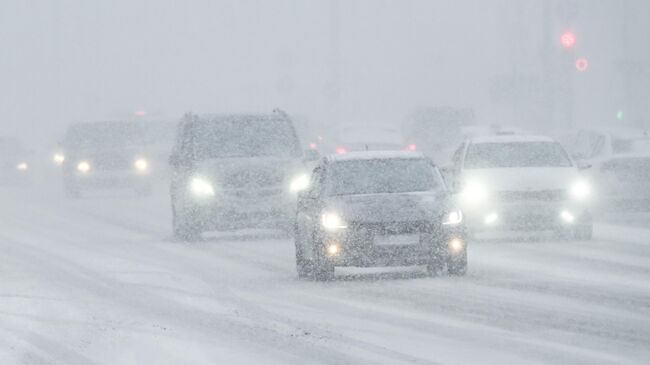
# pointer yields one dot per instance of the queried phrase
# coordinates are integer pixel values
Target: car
(521, 182)
(378, 209)
(621, 162)
(106, 155)
(236, 171)
(15, 162)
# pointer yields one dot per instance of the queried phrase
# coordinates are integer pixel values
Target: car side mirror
(311, 155)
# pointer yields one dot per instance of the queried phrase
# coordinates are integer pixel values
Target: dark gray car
(378, 209)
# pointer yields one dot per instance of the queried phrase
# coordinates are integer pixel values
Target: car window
(375, 176)
(516, 154)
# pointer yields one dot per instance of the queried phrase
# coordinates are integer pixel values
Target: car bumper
(525, 216)
(362, 249)
(231, 212)
(109, 180)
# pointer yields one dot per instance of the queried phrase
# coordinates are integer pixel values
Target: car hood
(387, 208)
(522, 179)
(257, 172)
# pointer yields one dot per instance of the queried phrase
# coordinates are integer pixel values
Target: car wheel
(457, 265)
(303, 265)
(186, 227)
(583, 232)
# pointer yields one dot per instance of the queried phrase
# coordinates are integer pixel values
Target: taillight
(412, 147)
(313, 146)
(341, 150)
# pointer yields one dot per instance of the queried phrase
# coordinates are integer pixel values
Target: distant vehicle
(370, 138)
(521, 183)
(620, 159)
(437, 130)
(377, 209)
(236, 171)
(15, 162)
(106, 155)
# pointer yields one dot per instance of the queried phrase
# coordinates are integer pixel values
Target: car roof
(375, 155)
(243, 116)
(511, 139)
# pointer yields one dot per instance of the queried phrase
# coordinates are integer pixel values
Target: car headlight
(22, 166)
(83, 166)
(453, 218)
(299, 183)
(201, 187)
(332, 221)
(580, 190)
(58, 158)
(141, 164)
(473, 193)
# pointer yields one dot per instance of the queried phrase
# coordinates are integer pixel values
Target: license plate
(397, 240)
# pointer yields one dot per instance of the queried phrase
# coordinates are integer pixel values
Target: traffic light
(568, 39)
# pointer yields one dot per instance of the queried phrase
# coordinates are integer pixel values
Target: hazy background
(335, 61)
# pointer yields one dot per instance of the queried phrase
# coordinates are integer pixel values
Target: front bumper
(526, 215)
(359, 246)
(247, 209)
(108, 179)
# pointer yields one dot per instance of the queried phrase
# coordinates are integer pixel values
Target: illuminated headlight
(474, 193)
(299, 183)
(83, 166)
(332, 221)
(141, 164)
(22, 166)
(58, 158)
(456, 245)
(201, 188)
(580, 190)
(567, 216)
(453, 218)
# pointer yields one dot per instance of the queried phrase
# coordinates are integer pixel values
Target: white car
(620, 159)
(521, 183)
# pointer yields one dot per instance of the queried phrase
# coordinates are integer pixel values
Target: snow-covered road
(99, 281)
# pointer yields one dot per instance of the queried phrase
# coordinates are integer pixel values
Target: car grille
(254, 179)
(538, 195)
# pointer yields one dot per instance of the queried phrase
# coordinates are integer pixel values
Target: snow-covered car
(620, 159)
(236, 171)
(107, 155)
(377, 209)
(15, 166)
(521, 182)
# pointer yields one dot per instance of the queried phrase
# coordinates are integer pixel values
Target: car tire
(457, 266)
(186, 227)
(303, 265)
(323, 271)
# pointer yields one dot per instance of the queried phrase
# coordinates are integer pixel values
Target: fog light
(567, 216)
(333, 249)
(491, 218)
(456, 245)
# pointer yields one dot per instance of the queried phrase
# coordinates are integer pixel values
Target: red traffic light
(568, 39)
(582, 64)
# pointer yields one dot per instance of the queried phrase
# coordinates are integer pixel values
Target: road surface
(99, 281)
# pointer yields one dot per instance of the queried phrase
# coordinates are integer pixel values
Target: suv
(621, 162)
(378, 209)
(522, 183)
(110, 154)
(235, 171)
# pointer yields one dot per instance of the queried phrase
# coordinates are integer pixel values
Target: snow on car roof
(511, 139)
(375, 155)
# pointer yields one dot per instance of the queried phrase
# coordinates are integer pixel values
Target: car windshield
(382, 176)
(107, 135)
(622, 146)
(231, 138)
(516, 154)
